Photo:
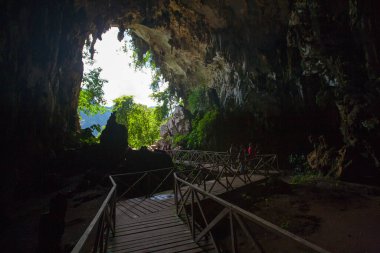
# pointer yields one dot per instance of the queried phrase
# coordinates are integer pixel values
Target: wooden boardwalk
(161, 231)
(151, 225)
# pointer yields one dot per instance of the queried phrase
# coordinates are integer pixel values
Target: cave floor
(336, 219)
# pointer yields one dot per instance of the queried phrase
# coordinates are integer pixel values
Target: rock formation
(290, 68)
(178, 123)
(114, 141)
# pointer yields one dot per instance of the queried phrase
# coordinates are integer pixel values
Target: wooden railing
(216, 165)
(144, 183)
(264, 164)
(95, 238)
(219, 167)
(193, 157)
(188, 197)
(135, 184)
(200, 157)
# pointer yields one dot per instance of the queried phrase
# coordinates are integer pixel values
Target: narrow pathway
(160, 231)
(151, 225)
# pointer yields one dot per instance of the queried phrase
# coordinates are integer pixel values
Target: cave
(296, 76)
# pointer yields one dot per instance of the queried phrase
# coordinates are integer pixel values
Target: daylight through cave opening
(114, 76)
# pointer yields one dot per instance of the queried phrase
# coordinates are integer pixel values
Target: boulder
(114, 139)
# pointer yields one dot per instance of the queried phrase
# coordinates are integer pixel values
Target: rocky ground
(336, 216)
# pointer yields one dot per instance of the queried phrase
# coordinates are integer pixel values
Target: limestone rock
(114, 139)
(179, 123)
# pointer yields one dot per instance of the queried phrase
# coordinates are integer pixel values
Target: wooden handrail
(234, 210)
(110, 200)
(142, 176)
(104, 220)
(140, 172)
(200, 157)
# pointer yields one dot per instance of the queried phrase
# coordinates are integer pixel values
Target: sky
(122, 79)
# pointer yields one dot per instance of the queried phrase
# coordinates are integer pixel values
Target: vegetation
(91, 101)
(142, 122)
(302, 173)
(201, 133)
(91, 97)
(198, 101)
(95, 122)
(142, 57)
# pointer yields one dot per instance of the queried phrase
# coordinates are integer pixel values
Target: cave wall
(40, 69)
(294, 67)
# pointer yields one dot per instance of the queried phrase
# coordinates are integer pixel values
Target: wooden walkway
(160, 231)
(151, 225)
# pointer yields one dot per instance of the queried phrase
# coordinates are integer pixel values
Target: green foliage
(302, 173)
(299, 163)
(142, 57)
(141, 121)
(91, 97)
(86, 137)
(166, 102)
(96, 127)
(201, 132)
(123, 106)
(180, 139)
(197, 100)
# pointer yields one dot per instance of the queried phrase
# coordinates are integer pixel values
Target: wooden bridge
(163, 210)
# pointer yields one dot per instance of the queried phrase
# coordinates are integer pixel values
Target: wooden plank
(175, 247)
(146, 207)
(145, 224)
(149, 237)
(157, 233)
(149, 206)
(200, 249)
(148, 240)
(159, 220)
(128, 213)
(151, 229)
(132, 212)
(156, 244)
(149, 226)
(122, 221)
(121, 213)
(160, 205)
(165, 202)
(138, 206)
(167, 228)
(126, 206)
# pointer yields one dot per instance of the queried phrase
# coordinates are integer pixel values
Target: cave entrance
(115, 72)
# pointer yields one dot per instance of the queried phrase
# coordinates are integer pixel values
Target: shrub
(302, 173)
(202, 130)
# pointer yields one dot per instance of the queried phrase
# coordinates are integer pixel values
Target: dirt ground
(338, 217)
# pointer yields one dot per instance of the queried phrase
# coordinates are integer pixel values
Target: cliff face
(288, 68)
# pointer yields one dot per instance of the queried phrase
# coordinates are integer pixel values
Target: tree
(166, 103)
(143, 57)
(91, 96)
(141, 121)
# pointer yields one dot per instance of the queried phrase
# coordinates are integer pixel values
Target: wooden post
(192, 215)
(233, 233)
